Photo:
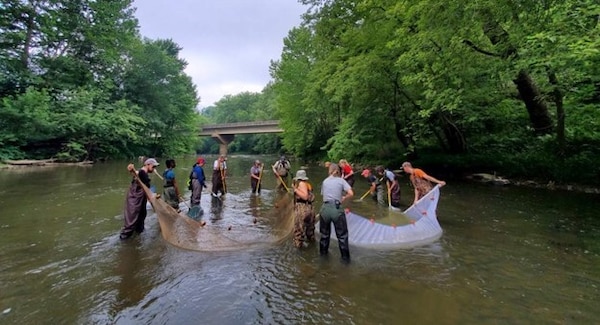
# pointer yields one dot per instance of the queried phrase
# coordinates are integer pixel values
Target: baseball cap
(151, 161)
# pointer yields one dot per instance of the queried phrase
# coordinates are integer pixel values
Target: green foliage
(26, 118)
(468, 81)
(513, 87)
(77, 82)
(155, 82)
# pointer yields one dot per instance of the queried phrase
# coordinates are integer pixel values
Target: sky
(228, 44)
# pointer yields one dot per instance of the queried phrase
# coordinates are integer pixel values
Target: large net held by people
(185, 232)
(423, 227)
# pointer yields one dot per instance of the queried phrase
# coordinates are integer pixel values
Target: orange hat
(365, 173)
(200, 160)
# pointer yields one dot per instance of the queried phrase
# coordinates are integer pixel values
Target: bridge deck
(271, 126)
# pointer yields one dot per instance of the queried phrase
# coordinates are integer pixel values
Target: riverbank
(550, 185)
(496, 180)
(29, 163)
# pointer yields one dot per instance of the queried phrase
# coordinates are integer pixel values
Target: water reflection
(216, 209)
(507, 255)
(130, 290)
(255, 204)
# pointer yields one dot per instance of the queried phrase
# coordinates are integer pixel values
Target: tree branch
(480, 50)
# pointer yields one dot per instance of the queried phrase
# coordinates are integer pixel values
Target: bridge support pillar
(224, 140)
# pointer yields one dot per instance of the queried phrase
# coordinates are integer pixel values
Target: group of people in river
(336, 189)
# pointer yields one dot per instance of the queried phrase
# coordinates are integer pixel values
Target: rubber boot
(345, 254)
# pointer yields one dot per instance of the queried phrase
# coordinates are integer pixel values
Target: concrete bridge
(225, 133)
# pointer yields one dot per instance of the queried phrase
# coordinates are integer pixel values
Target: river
(508, 255)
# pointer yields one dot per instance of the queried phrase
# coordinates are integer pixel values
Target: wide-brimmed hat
(301, 175)
(151, 161)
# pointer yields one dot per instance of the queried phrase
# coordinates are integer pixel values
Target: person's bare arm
(373, 187)
(350, 174)
(301, 191)
(348, 195)
(131, 168)
(435, 180)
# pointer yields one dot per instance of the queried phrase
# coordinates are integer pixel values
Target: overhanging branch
(480, 50)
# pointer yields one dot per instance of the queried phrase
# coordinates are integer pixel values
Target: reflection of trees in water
(131, 288)
(216, 208)
(255, 204)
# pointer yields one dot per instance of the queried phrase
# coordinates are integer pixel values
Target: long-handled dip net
(185, 232)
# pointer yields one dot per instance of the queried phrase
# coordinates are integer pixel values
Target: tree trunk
(455, 141)
(29, 24)
(395, 110)
(530, 94)
(560, 113)
(536, 107)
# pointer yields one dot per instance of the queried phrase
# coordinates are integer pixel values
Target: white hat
(151, 161)
(301, 175)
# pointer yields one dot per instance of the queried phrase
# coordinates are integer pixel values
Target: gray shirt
(333, 188)
(389, 174)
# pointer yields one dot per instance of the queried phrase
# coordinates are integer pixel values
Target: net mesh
(187, 233)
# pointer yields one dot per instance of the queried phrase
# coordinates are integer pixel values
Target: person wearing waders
(218, 176)
(376, 187)
(282, 169)
(197, 179)
(335, 191)
(304, 215)
(135, 202)
(171, 191)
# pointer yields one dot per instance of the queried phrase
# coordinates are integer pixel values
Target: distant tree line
(243, 107)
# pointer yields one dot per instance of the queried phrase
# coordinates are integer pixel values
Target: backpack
(282, 168)
(189, 182)
(311, 195)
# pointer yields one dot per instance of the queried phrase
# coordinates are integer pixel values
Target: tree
(155, 81)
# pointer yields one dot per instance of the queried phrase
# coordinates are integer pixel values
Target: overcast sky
(228, 44)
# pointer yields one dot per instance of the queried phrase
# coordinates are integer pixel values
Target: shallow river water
(507, 256)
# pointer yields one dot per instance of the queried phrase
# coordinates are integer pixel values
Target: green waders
(332, 212)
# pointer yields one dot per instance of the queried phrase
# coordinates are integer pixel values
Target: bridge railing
(240, 124)
(254, 127)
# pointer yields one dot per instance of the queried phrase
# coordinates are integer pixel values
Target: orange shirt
(419, 173)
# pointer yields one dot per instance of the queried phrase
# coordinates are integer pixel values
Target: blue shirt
(198, 172)
(169, 174)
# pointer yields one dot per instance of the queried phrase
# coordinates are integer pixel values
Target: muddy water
(507, 255)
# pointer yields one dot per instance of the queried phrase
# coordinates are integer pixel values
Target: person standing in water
(135, 202)
(347, 172)
(335, 191)
(218, 176)
(304, 215)
(375, 186)
(420, 180)
(197, 182)
(255, 176)
(281, 168)
(171, 191)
